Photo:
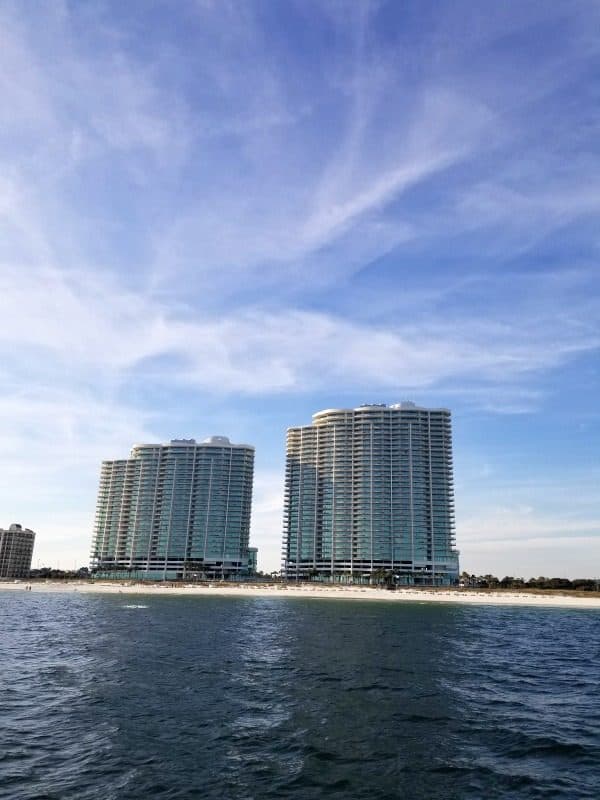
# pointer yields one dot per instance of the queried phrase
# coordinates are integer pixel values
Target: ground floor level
(403, 573)
(171, 570)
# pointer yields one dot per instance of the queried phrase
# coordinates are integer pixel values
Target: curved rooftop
(404, 405)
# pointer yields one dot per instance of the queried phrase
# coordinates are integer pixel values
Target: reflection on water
(267, 697)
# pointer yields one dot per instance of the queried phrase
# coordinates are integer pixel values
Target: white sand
(425, 595)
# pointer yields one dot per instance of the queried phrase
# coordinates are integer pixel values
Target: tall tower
(370, 490)
(171, 510)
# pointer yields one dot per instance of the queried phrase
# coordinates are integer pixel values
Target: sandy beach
(414, 595)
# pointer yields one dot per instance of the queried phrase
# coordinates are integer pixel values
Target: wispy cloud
(63, 98)
(261, 352)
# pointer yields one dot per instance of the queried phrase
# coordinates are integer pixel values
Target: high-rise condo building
(16, 550)
(175, 510)
(370, 491)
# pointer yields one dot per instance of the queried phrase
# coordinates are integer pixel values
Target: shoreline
(408, 594)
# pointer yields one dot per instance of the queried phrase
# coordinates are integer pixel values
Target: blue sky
(220, 217)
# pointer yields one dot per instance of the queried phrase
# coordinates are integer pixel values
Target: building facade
(175, 510)
(369, 493)
(16, 551)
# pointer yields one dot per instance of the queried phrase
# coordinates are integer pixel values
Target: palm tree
(379, 576)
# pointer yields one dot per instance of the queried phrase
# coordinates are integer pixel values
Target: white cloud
(267, 518)
(98, 325)
(101, 93)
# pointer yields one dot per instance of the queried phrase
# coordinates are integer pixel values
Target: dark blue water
(277, 698)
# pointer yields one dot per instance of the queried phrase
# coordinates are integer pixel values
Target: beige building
(16, 550)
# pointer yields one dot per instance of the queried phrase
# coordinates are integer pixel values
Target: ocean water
(167, 697)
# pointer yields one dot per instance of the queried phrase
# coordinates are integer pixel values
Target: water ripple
(267, 698)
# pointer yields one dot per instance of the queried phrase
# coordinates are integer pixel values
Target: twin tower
(368, 492)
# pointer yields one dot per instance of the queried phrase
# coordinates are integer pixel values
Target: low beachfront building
(252, 560)
(16, 551)
(369, 496)
(175, 511)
